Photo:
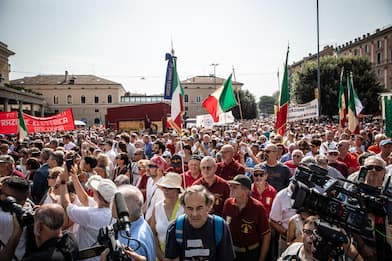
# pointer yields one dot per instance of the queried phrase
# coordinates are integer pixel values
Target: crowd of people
(207, 194)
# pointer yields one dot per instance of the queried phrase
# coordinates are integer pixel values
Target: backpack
(217, 227)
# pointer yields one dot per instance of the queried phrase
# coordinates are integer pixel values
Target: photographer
(51, 244)
(377, 248)
(304, 250)
(18, 188)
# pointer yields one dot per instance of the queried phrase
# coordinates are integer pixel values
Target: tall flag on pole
(221, 100)
(342, 103)
(353, 122)
(284, 97)
(177, 100)
(22, 128)
(167, 94)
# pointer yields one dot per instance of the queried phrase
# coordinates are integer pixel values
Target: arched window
(109, 98)
(96, 99)
(82, 99)
(56, 99)
(69, 99)
(186, 98)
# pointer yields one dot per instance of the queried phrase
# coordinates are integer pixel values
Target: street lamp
(215, 65)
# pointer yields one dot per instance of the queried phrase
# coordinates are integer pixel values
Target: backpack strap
(218, 229)
(180, 229)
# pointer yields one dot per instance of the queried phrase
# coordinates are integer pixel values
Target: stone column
(7, 107)
(42, 110)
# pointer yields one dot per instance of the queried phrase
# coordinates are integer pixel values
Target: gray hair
(51, 215)
(134, 199)
(375, 158)
(122, 180)
(209, 159)
(198, 189)
(45, 153)
(308, 160)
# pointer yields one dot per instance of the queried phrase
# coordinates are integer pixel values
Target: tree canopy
(364, 81)
(248, 106)
(266, 104)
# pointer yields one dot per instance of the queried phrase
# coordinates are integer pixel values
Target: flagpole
(238, 96)
(318, 62)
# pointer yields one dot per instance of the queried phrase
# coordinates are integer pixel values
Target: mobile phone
(69, 163)
(362, 174)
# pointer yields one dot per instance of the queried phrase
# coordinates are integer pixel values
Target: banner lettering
(303, 111)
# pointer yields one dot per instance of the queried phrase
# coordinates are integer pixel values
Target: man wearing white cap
(90, 219)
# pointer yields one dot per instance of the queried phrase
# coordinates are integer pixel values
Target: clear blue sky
(126, 40)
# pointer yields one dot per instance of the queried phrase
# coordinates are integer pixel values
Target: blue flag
(167, 94)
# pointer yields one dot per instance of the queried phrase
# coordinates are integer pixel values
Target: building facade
(197, 89)
(376, 47)
(89, 96)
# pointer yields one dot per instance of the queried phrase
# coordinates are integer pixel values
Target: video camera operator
(139, 244)
(51, 243)
(378, 247)
(18, 188)
(304, 250)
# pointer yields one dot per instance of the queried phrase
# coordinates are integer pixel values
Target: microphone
(122, 212)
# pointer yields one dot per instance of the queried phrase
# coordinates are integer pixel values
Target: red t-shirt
(374, 148)
(18, 173)
(189, 180)
(247, 226)
(290, 164)
(266, 197)
(228, 172)
(351, 161)
(221, 191)
(142, 185)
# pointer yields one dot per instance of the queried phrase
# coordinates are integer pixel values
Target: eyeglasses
(333, 153)
(258, 174)
(268, 151)
(374, 167)
(296, 156)
(152, 166)
(208, 168)
(308, 232)
(51, 177)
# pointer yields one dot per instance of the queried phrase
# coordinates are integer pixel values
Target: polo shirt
(266, 197)
(221, 191)
(189, 179)
(247, 226)
(350, 160)
(228, 172)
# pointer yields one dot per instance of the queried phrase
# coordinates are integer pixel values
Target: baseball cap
(243, 180)
(105, 187)
(160, 162)
(385, 142)
(171, 180)
(7, 159)
(259, 167)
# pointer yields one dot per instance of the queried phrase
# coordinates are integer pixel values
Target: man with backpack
(198, 235)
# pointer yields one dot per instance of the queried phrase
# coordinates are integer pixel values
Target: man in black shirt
(51, 244)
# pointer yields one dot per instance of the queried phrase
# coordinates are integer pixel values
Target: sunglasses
(333, 153)
(258, 175)
(152, 166)
(296, 156)
(374, 167)
(206, 168)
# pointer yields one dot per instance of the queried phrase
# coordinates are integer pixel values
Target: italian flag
(353, 122)
(284, 98)
(177, 101)
(22, 128)
(342, 103)
(221, 100)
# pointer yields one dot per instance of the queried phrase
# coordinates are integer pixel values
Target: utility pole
(318, 62)
(215, 65)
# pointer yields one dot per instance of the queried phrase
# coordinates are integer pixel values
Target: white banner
(206, 121)
(303, 111)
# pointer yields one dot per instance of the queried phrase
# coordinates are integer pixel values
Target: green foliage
(364, 77)
(266, 104)
(22, 89)
(248, 106)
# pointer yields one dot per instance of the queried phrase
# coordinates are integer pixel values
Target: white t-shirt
(153, 196)
(162, 221)
(281, 210)
(6, 228)
(90, 220)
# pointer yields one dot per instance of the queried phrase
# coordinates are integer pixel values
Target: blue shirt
(148, 150)
(141, 231)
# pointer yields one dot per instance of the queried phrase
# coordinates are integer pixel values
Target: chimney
(66, 77)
